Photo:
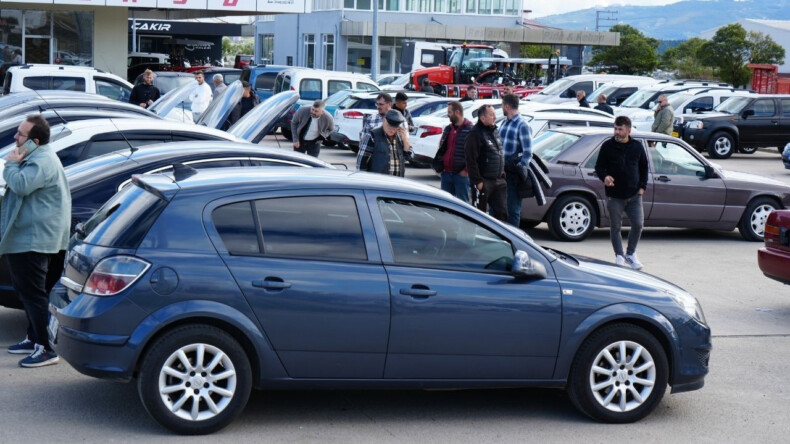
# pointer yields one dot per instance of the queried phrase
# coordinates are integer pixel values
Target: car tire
(747, 149)
(529, 224)
(572, 218)
(721, 145)
(328, 142)
(752, 223)
(354, 148)
(619, 374)
(286, 132)
(224, 378)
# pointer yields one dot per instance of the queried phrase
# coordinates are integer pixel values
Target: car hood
(220, 108)
(753, 178)
(709, 115)
(259, 121)
(172, 99)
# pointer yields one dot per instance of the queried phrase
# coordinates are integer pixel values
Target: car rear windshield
(124, 220)
(549, 145)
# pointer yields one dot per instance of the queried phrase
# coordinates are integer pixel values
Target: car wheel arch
(638, 315)
(263, 360)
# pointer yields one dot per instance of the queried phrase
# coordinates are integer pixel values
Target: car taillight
(353, 115)
(114, 274)
(429, 131)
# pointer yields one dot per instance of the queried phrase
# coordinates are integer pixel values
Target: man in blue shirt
(517, 148)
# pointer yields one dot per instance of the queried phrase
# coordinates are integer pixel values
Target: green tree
(684, 59)
(728, 51)
(764, 49)
(535, 51)
(636, 53)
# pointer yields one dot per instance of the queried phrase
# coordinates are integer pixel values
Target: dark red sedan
(774, 258)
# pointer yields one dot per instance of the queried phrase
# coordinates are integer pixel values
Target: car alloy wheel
(572, 218)
(721, 146)
(195, 379)
(752, 224)
(619, 374)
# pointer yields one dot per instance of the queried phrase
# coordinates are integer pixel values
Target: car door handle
(418, 291)
(271, 283)
(592, 174)
(663, 179)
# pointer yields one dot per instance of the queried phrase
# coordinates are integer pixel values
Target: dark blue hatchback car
(207, 285)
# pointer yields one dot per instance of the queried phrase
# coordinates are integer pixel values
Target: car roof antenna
(132, 148)
(41, 110)
(181, 171)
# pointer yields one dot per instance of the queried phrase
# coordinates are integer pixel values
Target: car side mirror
(651, 105)
(525, 268)
(710, 172)
(747, 113)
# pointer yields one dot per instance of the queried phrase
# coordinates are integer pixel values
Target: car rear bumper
(342, 139)
(775, 264)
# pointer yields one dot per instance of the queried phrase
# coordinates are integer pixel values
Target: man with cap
(385, 149)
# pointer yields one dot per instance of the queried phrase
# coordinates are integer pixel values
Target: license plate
(52, 329)
(675, 134)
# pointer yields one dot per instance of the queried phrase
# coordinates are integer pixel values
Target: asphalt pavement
(746, 397)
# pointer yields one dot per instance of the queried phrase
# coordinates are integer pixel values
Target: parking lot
(745, 398)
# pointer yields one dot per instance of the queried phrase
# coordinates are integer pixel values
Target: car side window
(265, 81)
(112, 90)
(236, 227)
(311, 227)
(786, 107)
(593, 158)
(430, 236)
(699, 104)
(367, 86)
(671, 158)
(68, 83)
(36, 83)
(99, 147)
(310, 89)
(764, 108)
(334, 86)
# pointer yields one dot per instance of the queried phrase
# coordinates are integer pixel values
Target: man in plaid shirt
(517, 148)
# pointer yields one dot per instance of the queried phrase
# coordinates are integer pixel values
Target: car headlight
(695, 124)
(689, 304)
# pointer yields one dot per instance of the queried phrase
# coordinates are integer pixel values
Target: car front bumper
(692, 364)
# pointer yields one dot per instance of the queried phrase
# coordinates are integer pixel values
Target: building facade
(337, 34)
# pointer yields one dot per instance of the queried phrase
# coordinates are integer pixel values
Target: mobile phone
(29, 145)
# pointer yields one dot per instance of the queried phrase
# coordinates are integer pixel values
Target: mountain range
(678, 21)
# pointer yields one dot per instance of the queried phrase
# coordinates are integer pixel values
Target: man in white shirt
(200, 96)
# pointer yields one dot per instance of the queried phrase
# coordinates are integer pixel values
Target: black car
(94, 181)
(740, 123)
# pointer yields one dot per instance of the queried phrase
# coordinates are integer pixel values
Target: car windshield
(549, 145)
(637, 99)
(733, 105)
(557, 87)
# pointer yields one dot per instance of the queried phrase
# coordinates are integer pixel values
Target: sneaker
(23, 348)
(633, 261)
(40, 357)
(619, 260)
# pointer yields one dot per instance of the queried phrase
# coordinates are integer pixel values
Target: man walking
(309, 126)
(450, 159)
(622, 166)
(383, 150)
(219, 85)
(485, 162)
(663, 116)
(35, 214)
(145, 94)
(517, 147)
(602, 106)
(200, 96)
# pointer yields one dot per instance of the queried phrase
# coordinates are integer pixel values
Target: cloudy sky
(542, 8)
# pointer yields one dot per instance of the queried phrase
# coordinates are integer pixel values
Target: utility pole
(611, 16)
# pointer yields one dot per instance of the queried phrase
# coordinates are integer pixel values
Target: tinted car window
(764, 108)
(786, 107)
(68, 83)
(99, 147)
(123, 221)
(427, 235)
(236, 227)
(700, 104)
(312, 227)
(310, 89)
(36, 82)
(265, 81)
(334, 86)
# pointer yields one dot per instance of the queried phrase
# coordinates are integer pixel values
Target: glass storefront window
(58, 37)
(73, 46)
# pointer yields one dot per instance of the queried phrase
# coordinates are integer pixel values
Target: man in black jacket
(485, 162)
(145, 93)
(622, 166)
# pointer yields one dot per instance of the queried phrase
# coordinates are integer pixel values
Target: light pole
(374, 49)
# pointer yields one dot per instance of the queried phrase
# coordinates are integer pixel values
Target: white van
(616, 92)
(565, 89)
(65, 77)
(314, 84)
